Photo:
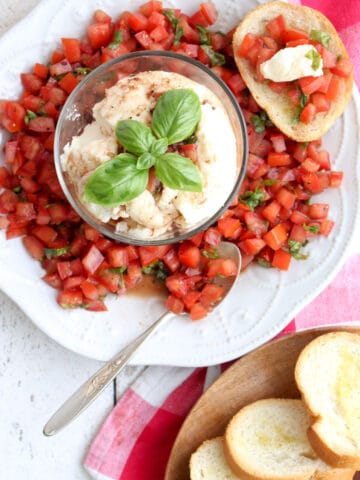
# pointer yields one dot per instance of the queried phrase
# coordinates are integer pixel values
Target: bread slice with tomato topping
(327, 374)
(305, 108)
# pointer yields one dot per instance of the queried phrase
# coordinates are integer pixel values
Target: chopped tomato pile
(271, 219)
(310, 95)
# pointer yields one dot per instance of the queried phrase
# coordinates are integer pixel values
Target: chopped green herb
(304, 145)
(204, 35)
(211, 255)
(260, 121)
(82, 70)
(315, 58)
(215, 58)
(17, 189)
(321, 37)
(263, 263)
(303, 101)
(268, 182)
(295, 250)
(192, 139)
(117, 40)
(170, 15)
(253, 199)
(158, 269)
(119, 270)
(60, 77)
(56, 252)
(179, 32)
(311, 228)
(29, 115)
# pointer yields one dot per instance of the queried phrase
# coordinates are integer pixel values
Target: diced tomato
(281, 259)
(211, 294)
(221, 266)
(101, 17)
(144, 39)
(310, 85)
(174, 304)
(137, 22)
(159, 33)
(134, 275)
(296, 43)
(255, 223)
(190, 151)
(89, 290)
(198, 311)
(320, 101)
(189, 255)
(53, 280)
(69, 82)
(278, 141)
(32, 83)
(177, 284)
(308, 113)
(318, 211)
(117, 256)
(229, 227)
(208, 9)
(12, 116)
(246, 44)
(149, 255)
(329, 58)
(343, 67)
(286, 198)
(276, 27)
(92, 260)
(271, 211)
(171, 260)
(275, 159)
(41, 125)
(150, 7)
(336, 179)
(34, 247)
(70, 298)
(95, 306)
(335, 88)
(326, 227)
(190, 34)
(252, 246)
(99, 34)
(291, 34)
(276, 237)
(71, 49)
(198, 18)
(41, 71)
(57, 56)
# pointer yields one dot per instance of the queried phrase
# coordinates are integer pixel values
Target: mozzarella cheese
(290, 64)
(150, 215)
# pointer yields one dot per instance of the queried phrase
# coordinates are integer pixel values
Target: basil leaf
(116, 181)
(268, 182)
(321, 37)
(204, 39)
(303, 101)
(191, 140)
(56, 252)
(134, 136)
(260, 121)
(176, 115)
(179, 32)
(29, 115)
(170, 15)
(315, 58)
(159, 147)
(178, 172)
(311, 228)
(117, 40)
(211, 255)
(158, 269)
(263, 263)
(295, 250)
(253, 199)
(145, 161)
(215, 58)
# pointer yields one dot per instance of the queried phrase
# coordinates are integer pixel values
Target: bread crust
(278, 106)
(318, 443)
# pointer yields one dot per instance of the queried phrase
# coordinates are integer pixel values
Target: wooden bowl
(264, 373)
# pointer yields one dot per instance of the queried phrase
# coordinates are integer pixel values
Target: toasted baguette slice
(327, 374)
(278, 106)
(267, 440)
(209, 462)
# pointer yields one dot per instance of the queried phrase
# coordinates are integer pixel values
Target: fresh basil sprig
(215, 58)
(124, 177)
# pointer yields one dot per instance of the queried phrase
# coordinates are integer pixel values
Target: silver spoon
(88, 392)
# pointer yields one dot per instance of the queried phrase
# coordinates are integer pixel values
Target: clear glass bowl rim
(82, 212)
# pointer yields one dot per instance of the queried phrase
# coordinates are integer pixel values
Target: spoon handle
(88, 392)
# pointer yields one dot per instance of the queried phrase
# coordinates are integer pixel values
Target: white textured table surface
(36, 375)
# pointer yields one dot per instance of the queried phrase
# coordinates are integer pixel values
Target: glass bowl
(77, 113)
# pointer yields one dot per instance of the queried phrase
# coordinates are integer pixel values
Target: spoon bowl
(92, 388)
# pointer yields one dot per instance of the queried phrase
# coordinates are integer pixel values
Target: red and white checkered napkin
(135, 441)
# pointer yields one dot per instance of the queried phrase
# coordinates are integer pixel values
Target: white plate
(263, 302)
